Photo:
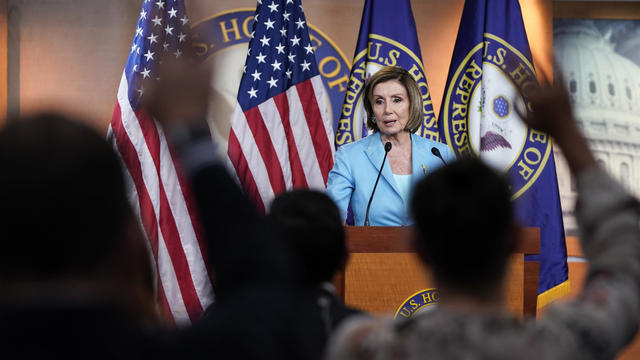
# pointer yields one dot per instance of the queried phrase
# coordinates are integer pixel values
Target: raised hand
(181, 95)
(551, 105)
(553, 114)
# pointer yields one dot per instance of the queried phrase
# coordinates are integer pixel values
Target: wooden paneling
(577, 275)
(383, 271)
(573, 246)
(514, 286)
(577, 269)
(538, 22)
(596, 10)
(377, 241)
(531, 276)
(4, 12)
(380, 283)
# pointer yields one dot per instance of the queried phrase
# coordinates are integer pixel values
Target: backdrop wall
(69, 54)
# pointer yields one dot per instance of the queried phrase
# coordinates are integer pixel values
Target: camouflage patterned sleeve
(605, 316)
(362, 338)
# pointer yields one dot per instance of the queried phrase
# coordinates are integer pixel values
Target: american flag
(158, 191)
(281, 136)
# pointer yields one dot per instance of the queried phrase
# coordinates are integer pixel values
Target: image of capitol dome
(599, 61)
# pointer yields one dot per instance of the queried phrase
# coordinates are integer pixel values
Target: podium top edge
(397, 239)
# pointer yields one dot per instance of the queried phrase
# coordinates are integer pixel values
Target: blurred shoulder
(362, 337)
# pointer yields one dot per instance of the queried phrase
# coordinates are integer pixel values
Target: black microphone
(436, 152)
(387, 148)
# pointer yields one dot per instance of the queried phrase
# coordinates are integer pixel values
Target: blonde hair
(413, 91)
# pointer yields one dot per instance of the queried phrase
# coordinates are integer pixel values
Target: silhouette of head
(464, 222)
(310, 223)
(63, 206)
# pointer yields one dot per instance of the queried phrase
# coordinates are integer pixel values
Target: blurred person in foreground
(394, 108)
(468, 264)
(75, 276)
(255, 312)
(310, 224)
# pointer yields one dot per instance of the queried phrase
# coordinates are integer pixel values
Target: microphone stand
(387, 148)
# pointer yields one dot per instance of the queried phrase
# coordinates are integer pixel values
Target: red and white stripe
(284, 143)
(166, 210)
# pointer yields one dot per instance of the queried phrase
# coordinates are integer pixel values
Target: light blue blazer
(355, 170)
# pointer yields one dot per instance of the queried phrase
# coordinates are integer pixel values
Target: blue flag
(490, 71)
(387, 37)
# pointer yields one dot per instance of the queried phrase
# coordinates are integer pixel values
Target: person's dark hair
(310, 222)
(63, 205)
(464, 222)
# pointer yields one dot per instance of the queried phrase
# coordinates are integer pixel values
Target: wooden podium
(383, 270)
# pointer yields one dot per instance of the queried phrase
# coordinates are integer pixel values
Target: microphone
(387, 148)
(436, 152)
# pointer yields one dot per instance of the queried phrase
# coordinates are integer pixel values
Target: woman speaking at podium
(393, 103)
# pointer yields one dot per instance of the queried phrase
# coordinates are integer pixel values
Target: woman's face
(390, 103)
